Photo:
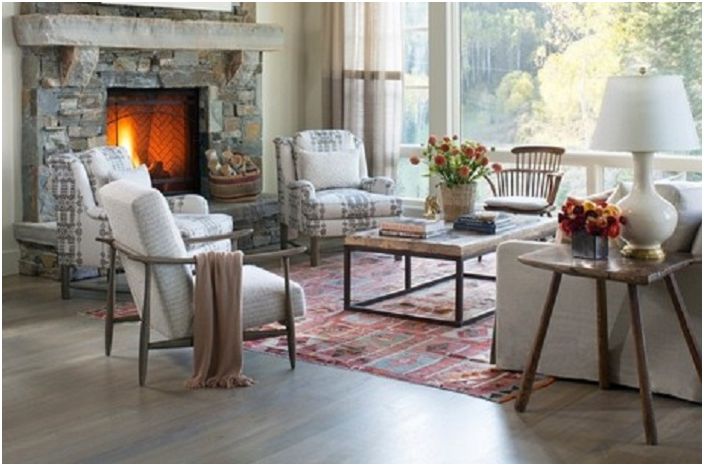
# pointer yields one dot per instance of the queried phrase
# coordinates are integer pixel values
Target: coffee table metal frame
(404, 249)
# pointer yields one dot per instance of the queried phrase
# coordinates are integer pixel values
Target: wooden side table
(559, 261)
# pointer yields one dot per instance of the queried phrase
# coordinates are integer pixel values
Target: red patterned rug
(436, 355)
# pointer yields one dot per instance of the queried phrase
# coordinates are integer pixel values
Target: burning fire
(124, 134)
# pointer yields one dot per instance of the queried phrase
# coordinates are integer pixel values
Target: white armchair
(80, 219)
(317, 211)
(159, 271)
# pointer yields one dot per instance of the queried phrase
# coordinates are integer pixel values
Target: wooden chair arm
(265, 256)
(234, 235)
(492, 186)
(555, 180)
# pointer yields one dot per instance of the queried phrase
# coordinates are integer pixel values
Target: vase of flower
(590, 225)
(459, 165)
(457, 200)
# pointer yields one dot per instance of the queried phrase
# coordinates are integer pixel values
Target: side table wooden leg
(459, 292)
(534, 357)
(646, 397)
(347, 278)
(602, 328)
(683, 318)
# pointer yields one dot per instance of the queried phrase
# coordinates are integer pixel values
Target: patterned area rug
(455, 359)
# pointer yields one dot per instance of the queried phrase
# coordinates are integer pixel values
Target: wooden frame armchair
(532, 185)
(160, 272)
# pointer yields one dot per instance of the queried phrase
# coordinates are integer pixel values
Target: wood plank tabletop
(617, 268)
(455, 243)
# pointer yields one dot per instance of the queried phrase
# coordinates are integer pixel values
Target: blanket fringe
(230, 381)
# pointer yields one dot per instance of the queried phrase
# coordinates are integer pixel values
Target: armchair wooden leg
(284, 235)
(314, 251)
(144, 328)
(110, 311)
(290, 322)
(65, 275)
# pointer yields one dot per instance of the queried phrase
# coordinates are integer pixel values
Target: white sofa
(570, 349)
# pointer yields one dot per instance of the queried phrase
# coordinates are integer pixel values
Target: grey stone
(231, 124)
(245, 110)
(186, 78)
(55, 141)
(125, 63)
(30, 69)
(144, 64)
(186, 57)
(48, 83)
(97, 141)
(84, 131)
(215, 116)
(47, 202)
(134, 80)
(79, 144)
(78, 65)
(36, 232)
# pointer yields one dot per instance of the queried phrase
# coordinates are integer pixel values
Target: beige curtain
(363, 78)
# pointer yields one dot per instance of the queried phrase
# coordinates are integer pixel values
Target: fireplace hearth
(159, 128)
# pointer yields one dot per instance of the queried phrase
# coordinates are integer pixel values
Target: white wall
(11, 139)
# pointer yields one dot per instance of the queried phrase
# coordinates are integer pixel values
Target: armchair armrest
(301, 190)
(265, 256)
(378, 185)
(233, 235)
(188, 204)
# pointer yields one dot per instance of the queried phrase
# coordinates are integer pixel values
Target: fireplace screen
(159, 128)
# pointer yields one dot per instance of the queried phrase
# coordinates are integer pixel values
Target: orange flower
(469, 152)
(484, 161)
(496, 167)
(432, 139)
(415, 160)
(445, 147)
(464, 171)
(439, 160)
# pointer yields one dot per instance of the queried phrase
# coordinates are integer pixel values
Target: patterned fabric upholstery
(197, 226)
(143, 223)
(75, 178)
(333, 212)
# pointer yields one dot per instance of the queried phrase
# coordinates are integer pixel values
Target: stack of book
(489, 223)
(419, 228)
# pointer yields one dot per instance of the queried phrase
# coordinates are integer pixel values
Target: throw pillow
(329, 169)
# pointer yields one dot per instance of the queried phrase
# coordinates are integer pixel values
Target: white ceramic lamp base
(650, 219)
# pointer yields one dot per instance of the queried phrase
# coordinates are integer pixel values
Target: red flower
(446, 139)
(432, 139)
(415, 160)
(496, 167)
(613, 230)
(439, 160)
(481, 150)
(464, 171)
(445, 147)
(468, 151)
(484, 161)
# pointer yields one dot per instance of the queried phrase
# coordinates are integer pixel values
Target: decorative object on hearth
(643, 115)
(488, 223)
(590, 224)
(459, 165)
(233, 177)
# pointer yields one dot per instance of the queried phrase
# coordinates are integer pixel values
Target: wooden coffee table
(453, 245)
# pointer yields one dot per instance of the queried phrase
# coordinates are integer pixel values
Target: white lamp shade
(645, 114)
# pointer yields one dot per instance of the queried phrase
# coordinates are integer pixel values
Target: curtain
(363, 75)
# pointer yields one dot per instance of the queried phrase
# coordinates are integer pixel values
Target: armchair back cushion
(101, 162)
(141, 220)
(338, 169)
(328, 141)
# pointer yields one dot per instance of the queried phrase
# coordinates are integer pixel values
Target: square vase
(586, 246)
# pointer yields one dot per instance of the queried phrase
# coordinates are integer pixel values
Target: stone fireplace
(159, 128)
(166, 83)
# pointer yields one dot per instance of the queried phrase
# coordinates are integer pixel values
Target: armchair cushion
(526, 203)
(336, 169)
(264, 297)
(334, 204)
(378, 185)
(198, 226)
(188, 204)
(100, 162)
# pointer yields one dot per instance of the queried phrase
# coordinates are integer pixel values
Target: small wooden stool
(559, 261)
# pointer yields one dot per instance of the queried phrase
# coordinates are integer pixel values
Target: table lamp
(643, 115)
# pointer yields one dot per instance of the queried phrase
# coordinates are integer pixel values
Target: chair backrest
(531, 174)
(99, 162)
(324, 140)
(140, 220)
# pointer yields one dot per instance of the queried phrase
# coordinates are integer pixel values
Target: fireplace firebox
(159, 128)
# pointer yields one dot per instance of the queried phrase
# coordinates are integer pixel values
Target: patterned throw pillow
(329, 169)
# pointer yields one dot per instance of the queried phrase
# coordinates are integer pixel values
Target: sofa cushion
(337, 169)
(526, 203)
(686, 197)
(336, 204)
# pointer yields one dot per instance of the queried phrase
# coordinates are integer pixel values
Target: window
(416, 83)
(535, 72)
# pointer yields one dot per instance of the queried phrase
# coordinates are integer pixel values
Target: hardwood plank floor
(64, 401)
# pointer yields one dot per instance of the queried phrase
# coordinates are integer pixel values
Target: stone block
(79, 144)
(246, 96)
(245, 110)
(186, 57)
(231, 124)
(84, 131)
(78, 65)
(94, 115)
(30, 69)
(215, 120)
(97, 141)
(127, 79)
(187, 78)
(125, 63)
(56, 141)
(252, 131)
(49, 83)
(144, 64)
(38, 260)
(228, 110)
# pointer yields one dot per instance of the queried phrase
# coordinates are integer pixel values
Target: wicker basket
(241, 188)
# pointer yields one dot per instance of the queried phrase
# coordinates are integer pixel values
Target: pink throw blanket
(217, 322)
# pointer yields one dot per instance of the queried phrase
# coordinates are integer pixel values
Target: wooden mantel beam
(40, 30)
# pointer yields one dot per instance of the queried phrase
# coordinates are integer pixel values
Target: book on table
(490, 223)
(406, 234)
(416, 226)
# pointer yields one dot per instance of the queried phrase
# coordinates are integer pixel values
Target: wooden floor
(64, 401)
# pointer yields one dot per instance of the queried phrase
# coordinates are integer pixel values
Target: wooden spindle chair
(533, 182)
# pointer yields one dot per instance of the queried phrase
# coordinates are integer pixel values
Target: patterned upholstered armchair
(328, 212)
(80, 219)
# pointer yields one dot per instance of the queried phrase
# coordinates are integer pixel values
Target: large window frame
(444, 110)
